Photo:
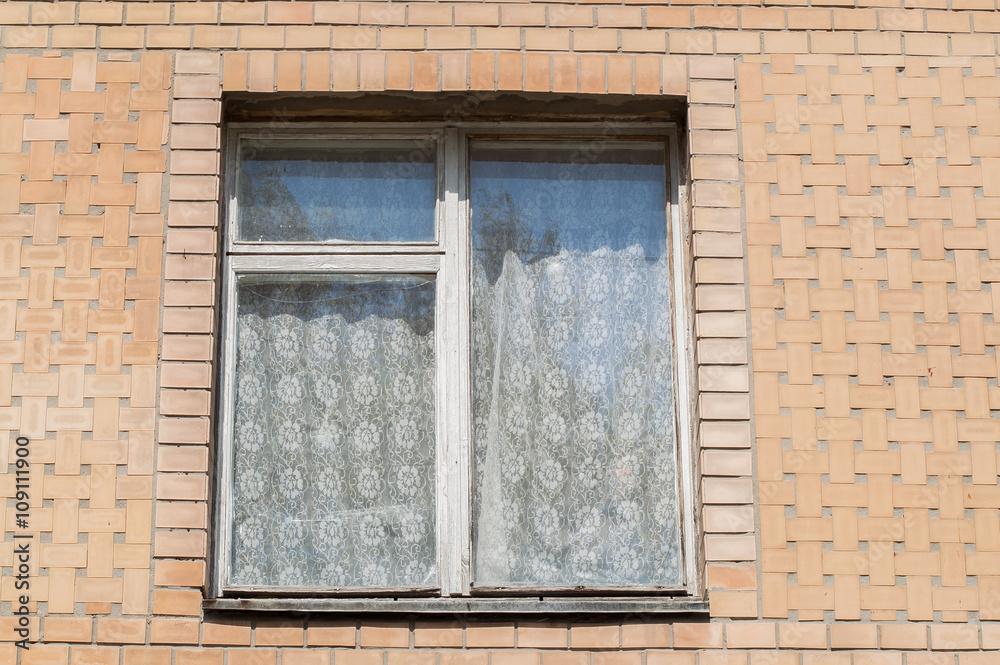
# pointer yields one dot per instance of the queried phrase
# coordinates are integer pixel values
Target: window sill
(466, 606)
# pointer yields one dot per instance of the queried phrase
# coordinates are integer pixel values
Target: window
(451, 365)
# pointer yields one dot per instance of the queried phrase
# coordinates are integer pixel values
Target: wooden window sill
(663, 605)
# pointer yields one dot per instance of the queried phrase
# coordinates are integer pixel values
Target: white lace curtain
(574, 425)
(573, 401)
(334, 436)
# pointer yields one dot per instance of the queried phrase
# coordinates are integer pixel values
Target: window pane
(382, 192)
(334, 432)
(572, 367)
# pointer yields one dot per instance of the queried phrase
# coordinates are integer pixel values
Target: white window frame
(448, 259)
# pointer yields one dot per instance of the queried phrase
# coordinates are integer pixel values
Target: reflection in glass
(293, 193)
(573, 402)
(334, 432)
(537, 202)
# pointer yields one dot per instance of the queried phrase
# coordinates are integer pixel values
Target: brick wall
(845, 217)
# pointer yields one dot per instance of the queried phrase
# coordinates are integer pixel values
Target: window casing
(445, 259)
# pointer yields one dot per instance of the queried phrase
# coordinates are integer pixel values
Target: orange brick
(42, 13)
(308, 37)
(180, 544)
(341, 12)
(146, 655)
(282, 633)
(121, 631)
(595, 636)
(289, 72)
(437, 635)
(548, 39)
(68, 629)
(449, 38)
(489, 635)
(670, 17)
(669, 658)
(304, 657)
(331, 635)
(853, 637)
(802, 636)
(289, 12)
(542, 635)
(402, 38)
(811, 18)
(430, 15)
(196, 13)
(762, 18)
(619, 17)
(228, 632)
(384, 635)
(855, 19)
(482, 75)
(751, 636)
(173, 631)
(363, 657)
(177, 602)
(485, 15)
(522, 15)
(238, 12)
(697, 636)
(410, 657)
(15, 13)
(951, 638)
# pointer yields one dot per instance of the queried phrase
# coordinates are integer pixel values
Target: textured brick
(861, 208)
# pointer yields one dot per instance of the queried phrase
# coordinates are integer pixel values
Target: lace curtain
(573, 401)
(334, 435)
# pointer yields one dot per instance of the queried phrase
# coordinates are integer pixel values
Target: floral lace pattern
(573, 400)
(334, 435)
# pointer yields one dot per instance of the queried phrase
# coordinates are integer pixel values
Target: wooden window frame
(447, 257)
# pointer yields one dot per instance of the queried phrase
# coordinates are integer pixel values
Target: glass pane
(376, 193)
(573, 399)
(334, 432)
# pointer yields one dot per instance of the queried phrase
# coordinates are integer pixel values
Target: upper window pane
(573, 369)
(537, 199)
(380, 191)
(333, 441)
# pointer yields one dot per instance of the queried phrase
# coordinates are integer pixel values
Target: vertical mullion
(463, 371)
(451, 508)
